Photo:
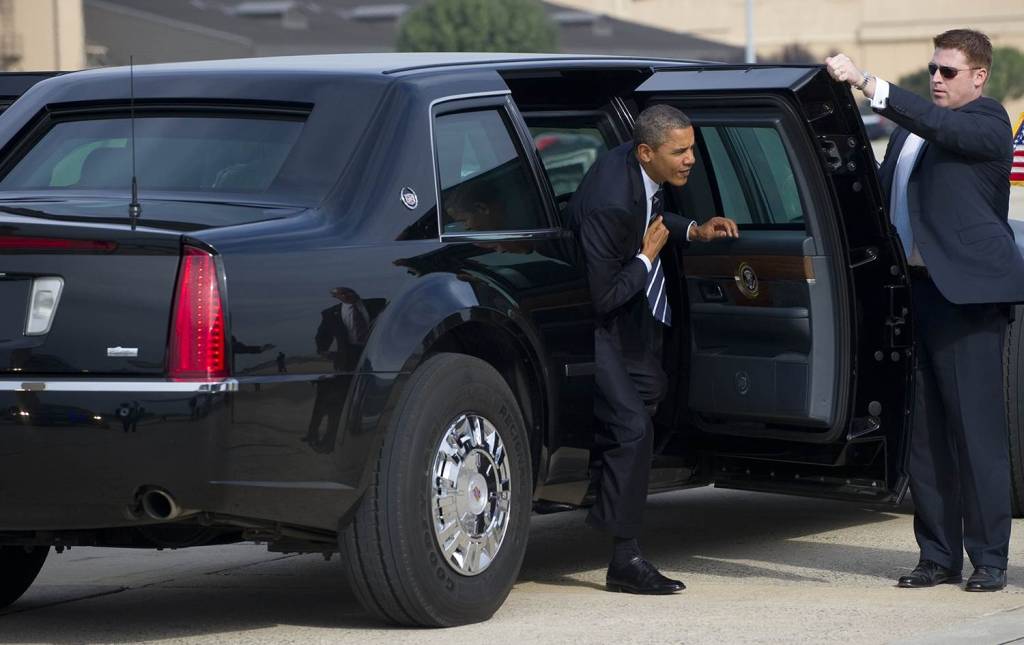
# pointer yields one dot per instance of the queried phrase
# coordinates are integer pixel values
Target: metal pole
(56, 34)
(751, 54)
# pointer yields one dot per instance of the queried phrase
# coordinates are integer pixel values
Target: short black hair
(654, 124)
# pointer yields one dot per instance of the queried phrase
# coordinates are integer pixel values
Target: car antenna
(134, 207)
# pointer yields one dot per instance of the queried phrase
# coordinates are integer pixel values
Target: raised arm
(981, 132)
(978, 130)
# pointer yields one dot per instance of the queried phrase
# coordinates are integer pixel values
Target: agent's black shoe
(929, 574)
(986, 579)
(639, 576)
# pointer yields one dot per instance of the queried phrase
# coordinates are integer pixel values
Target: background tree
(477, 25)
(1007, 79)
(1005, 82)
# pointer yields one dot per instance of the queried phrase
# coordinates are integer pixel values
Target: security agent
(946, 172)
(618, 216)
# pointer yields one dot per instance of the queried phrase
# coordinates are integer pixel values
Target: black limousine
(329, 304)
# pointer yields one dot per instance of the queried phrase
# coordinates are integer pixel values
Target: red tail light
(18, 243)
(197, 347)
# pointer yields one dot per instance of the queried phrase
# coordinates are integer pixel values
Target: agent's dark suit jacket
(958, 195)
(608, 213)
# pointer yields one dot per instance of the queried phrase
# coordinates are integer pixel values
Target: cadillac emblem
(409, 198)
(746, 280)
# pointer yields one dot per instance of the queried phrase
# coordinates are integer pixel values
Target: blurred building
(41, 35)
(176, 30)
(888, 38)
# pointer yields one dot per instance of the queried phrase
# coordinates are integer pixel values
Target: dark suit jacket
(332, 330)
(958, 195)
(608, 213)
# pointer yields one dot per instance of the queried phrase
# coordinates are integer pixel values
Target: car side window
(753, 175)
(567, 153)
(486, 184)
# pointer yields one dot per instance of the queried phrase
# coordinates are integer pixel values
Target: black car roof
(300, 78)
(384, 63)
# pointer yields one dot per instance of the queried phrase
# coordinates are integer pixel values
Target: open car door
(795, 352)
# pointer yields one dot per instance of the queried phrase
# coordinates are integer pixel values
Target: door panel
(801, 375)
(762, 330)
(752, 336)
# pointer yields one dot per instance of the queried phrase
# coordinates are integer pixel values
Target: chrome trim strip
(315, 485)
(580, 369)
(498, 236)
(433, 151)
(209, 387)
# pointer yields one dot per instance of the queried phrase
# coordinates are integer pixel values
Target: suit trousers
(628, 388)
(959, 452)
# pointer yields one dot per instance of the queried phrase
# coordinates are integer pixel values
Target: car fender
(404, 334)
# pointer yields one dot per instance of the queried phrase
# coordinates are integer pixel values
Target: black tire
(19, 567)
(396, 567)
(1014, 379)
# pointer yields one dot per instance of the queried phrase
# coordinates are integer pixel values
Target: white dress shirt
(348, 314)
(898, 208)
(650, 188)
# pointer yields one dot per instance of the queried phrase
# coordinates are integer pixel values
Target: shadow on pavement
(708, 532)
(705, 533)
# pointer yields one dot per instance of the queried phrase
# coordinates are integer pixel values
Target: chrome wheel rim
(471, 494)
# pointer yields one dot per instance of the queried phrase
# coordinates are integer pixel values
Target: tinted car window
(755, 180)
(567, 154)
(176, 154)
(485, 182)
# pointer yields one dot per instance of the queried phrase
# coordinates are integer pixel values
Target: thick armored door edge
(835, 320)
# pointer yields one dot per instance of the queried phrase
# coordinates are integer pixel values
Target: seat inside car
(104, 168)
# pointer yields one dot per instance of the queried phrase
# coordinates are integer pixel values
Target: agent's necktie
(657, 298)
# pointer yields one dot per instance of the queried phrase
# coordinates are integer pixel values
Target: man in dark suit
(617, 214)
(946, 172)
(345, 326)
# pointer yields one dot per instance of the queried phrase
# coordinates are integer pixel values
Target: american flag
(1017, 170)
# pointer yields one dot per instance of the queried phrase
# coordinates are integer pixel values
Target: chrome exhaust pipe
(158, 504)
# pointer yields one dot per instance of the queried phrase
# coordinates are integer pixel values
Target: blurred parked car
(876, 125)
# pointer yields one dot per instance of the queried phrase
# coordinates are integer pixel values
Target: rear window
(188, 154)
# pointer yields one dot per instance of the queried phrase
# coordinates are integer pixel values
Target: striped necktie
(657, 298)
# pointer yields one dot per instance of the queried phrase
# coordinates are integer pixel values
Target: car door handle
(711, 291)
(861, 256)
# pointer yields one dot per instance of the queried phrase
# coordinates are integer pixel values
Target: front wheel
(1014, 382)
(19, 567)
(440, 534)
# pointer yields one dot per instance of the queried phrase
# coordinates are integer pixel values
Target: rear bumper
(75, 455)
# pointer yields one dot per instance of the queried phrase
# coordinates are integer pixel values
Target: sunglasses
(947, 72)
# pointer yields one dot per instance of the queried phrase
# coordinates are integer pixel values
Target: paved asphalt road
(759, 569)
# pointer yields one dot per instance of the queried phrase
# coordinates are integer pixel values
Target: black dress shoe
(986, 579)
(640, 576)
(929, 574)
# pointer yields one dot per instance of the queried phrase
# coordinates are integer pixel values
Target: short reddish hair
(976, 46)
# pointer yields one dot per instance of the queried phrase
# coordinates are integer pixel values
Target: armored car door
(797, 342)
